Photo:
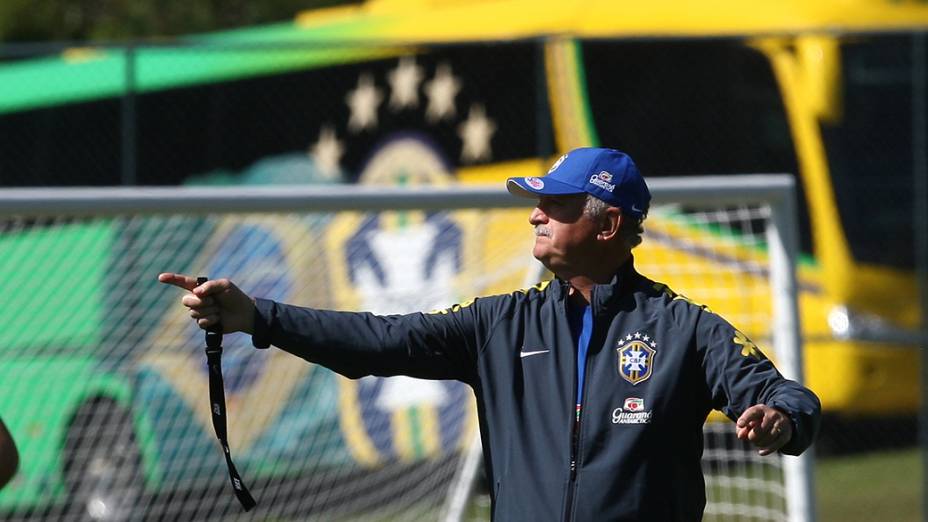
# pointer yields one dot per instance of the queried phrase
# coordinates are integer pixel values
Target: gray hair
(630, 230)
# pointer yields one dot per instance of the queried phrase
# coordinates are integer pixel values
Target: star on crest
(638, 336)
(404, 84)
(363, 102)
(327, 151)
(441, 91)
(476, 132)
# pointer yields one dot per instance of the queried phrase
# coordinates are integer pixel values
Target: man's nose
(537, 217)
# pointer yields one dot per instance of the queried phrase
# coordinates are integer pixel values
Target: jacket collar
(607, 295)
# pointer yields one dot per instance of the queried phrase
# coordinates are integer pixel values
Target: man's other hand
(769, 429)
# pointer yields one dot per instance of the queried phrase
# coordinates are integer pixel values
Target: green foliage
(61, 20)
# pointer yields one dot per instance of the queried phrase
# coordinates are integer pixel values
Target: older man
(592, 388)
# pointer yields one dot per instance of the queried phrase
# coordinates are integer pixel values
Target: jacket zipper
(574, 450)
(575, 431)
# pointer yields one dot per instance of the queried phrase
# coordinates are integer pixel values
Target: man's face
(564, 237)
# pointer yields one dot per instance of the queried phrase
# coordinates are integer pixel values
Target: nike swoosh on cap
(525, 354)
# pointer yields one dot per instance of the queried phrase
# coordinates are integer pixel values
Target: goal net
(103, 381)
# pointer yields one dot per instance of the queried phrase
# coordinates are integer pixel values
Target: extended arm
(431, 346)
(434, 346)
(772, 412)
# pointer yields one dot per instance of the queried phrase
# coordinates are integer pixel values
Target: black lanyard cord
(217, 399)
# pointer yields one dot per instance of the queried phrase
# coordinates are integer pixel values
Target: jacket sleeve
(437, 345)
(739, 376)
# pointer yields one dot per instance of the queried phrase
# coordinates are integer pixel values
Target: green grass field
(872, 487)
(884, 487)
(881, 487)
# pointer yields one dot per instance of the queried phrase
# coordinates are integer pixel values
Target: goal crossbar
(108, 201)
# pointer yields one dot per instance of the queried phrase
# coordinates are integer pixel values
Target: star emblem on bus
(398, 91)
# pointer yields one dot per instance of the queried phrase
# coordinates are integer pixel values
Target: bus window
(219, 125)
(691, 108)
(53, 146)
(870, 150)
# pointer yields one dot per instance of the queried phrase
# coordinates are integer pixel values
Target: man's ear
(612, 220)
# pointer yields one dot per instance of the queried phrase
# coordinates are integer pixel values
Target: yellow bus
(473, 92)
(823, 90)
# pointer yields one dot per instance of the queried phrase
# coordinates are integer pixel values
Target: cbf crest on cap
(608, 174)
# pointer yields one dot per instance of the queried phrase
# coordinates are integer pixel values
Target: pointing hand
(215, 301)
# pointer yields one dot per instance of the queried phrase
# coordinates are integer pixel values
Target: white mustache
(541, 230)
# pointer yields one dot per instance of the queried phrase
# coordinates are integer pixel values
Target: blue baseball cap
(607, 174)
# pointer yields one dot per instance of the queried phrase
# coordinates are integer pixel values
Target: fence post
(128, 119)
(920, 228)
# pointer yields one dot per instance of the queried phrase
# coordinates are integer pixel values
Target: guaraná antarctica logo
(632, 412)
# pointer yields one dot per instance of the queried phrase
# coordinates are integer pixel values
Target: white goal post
(699, 227)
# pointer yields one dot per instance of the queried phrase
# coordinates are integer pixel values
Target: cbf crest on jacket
(657, 364)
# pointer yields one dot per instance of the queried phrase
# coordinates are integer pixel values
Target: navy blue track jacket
(657, 364)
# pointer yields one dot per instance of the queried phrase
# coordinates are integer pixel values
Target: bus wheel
(103, 464)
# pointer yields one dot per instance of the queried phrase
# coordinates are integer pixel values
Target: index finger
(179, 280)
